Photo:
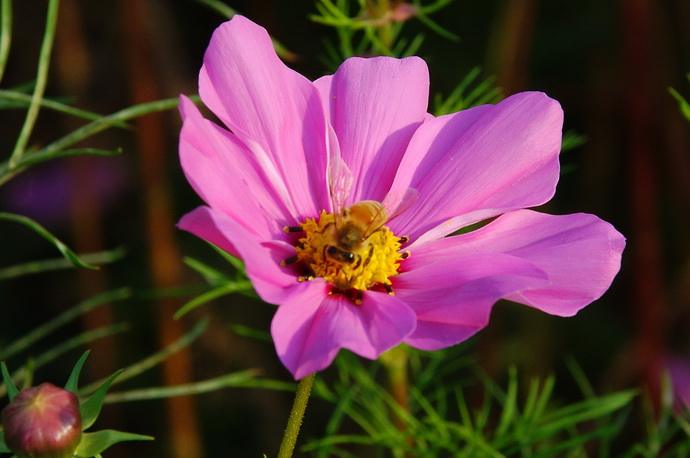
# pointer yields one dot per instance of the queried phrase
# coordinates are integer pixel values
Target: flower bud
(43, 422)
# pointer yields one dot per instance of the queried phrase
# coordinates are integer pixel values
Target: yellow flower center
(365, 263)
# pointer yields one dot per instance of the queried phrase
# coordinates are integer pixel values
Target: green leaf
(109, 121)
(12, 390)
(215, 293)
(3, 446)
(572, 140)
(246, 331)
(43, 232)
(683, 104)
(211, 275)
(65, 317)
(66, 346)
(236, 263)
(220, 7)
(93, 444)
(510, 404)
(41, 81)
(243, 379)
(91, 407)
(21, 99)
(152, 360)
(48, 265)
(73, 380)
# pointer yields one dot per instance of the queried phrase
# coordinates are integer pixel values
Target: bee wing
(378, 219)
(400, 203)
(339, 175)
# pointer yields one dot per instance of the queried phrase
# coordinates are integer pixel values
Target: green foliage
(471, 91)
(73, 380)
(48, 265)
(219, 283)
(41, 81)
(455, 409)
(11, 388)
(30, 338)
(3, 446)
(683, 104)
(572, 140)
(366, 28)
(43, 232)
(91, 407)
(93, 444)
(226, 11)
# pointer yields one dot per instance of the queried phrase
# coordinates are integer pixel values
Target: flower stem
(287, 446)
(395, 362)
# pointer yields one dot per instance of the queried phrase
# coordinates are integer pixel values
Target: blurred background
(609, 63)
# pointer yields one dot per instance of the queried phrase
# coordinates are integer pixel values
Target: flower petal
(275, 111)
(224, 173)
(580, 254)
(375, 105)
(452, 297)
(271, 282)
(480, 163)
(310, 327)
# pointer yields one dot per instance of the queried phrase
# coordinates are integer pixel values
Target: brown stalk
(164, 256)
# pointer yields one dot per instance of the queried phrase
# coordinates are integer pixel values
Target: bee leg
(389, 290)
(405, 254)
(290, 260)
(303, 278)
(289, 229)
(404, 239)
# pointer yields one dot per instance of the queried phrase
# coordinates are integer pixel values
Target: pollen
(376, 259)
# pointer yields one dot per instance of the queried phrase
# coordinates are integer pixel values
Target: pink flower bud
(43, 422)
(403, 12)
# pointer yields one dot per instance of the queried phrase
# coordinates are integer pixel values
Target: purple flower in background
(340, 195)
(679, 372)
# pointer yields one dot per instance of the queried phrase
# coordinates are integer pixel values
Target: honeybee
(352, 227)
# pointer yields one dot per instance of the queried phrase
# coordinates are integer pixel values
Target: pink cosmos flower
(284, 180)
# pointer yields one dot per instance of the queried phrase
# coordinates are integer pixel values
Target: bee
(352, 227)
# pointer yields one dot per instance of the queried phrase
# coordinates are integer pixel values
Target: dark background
(609, 63)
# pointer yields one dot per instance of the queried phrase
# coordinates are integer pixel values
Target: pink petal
(452, 297)
(375, 105)
(224, 173)
(271, 282)
(310, 327)
(480, 163)
(579, 253)
(275, 111)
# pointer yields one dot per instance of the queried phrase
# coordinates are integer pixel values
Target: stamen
(290, 260)
(289, 229)
(405, 254)
(350, 265)
(403, 239)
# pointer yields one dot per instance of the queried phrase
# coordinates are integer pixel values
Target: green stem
(6, 37)
(395, 361)
(287, 446)
(41, 80)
